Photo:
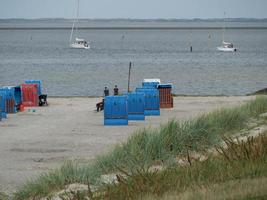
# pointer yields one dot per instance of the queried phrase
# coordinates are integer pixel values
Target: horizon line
(134, 28)
(167, 19)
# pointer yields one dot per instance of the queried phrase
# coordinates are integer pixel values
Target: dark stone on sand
(263, 91)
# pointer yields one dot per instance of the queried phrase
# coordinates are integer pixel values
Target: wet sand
(41, 139)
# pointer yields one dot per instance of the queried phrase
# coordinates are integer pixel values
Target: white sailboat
(226, 46)
(78, 43)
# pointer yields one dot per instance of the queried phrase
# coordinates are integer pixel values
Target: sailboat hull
(226, 49)
(79, 46)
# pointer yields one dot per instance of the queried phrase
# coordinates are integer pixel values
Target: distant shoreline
(132, 24)
(132, 28)
(140, 20)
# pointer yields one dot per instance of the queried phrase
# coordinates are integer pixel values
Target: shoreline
(174, 95)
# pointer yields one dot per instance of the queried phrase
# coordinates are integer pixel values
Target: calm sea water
(164, 54)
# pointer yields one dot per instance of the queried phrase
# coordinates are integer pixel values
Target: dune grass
(48, 182)
(3, 196)
(242, 189)
(238, 172)
(148, 147)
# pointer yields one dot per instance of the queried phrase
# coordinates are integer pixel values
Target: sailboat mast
(74, 21)
(77, 15)
(223, 26)
(72, 31)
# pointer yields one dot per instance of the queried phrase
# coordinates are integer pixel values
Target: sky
(137, 9)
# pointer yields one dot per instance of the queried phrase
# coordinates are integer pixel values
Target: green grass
(3, 196)
(242, 189)
(223, 177)
(151, 146)
(49, 182)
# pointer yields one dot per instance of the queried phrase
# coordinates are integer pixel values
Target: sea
(39, 50)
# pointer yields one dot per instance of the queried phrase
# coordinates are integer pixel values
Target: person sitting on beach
(100, 106)
(116, 90)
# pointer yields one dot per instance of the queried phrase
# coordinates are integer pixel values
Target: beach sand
(41, 139)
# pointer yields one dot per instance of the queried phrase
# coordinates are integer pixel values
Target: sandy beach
(41, 139)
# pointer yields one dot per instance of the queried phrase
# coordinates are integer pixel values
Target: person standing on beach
(106, 92)
(116, 90)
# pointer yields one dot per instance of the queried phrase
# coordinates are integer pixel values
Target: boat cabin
(228, 45)
(81, 42)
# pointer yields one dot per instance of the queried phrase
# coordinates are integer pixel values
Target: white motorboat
(78, 43)
(226, 47)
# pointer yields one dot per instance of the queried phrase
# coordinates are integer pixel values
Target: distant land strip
(130, 28)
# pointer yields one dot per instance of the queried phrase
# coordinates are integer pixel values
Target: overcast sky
(144, 9)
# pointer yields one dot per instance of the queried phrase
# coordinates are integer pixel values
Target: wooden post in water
(209, 36)
(122, 41)
(191, 47)
(129, 76)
